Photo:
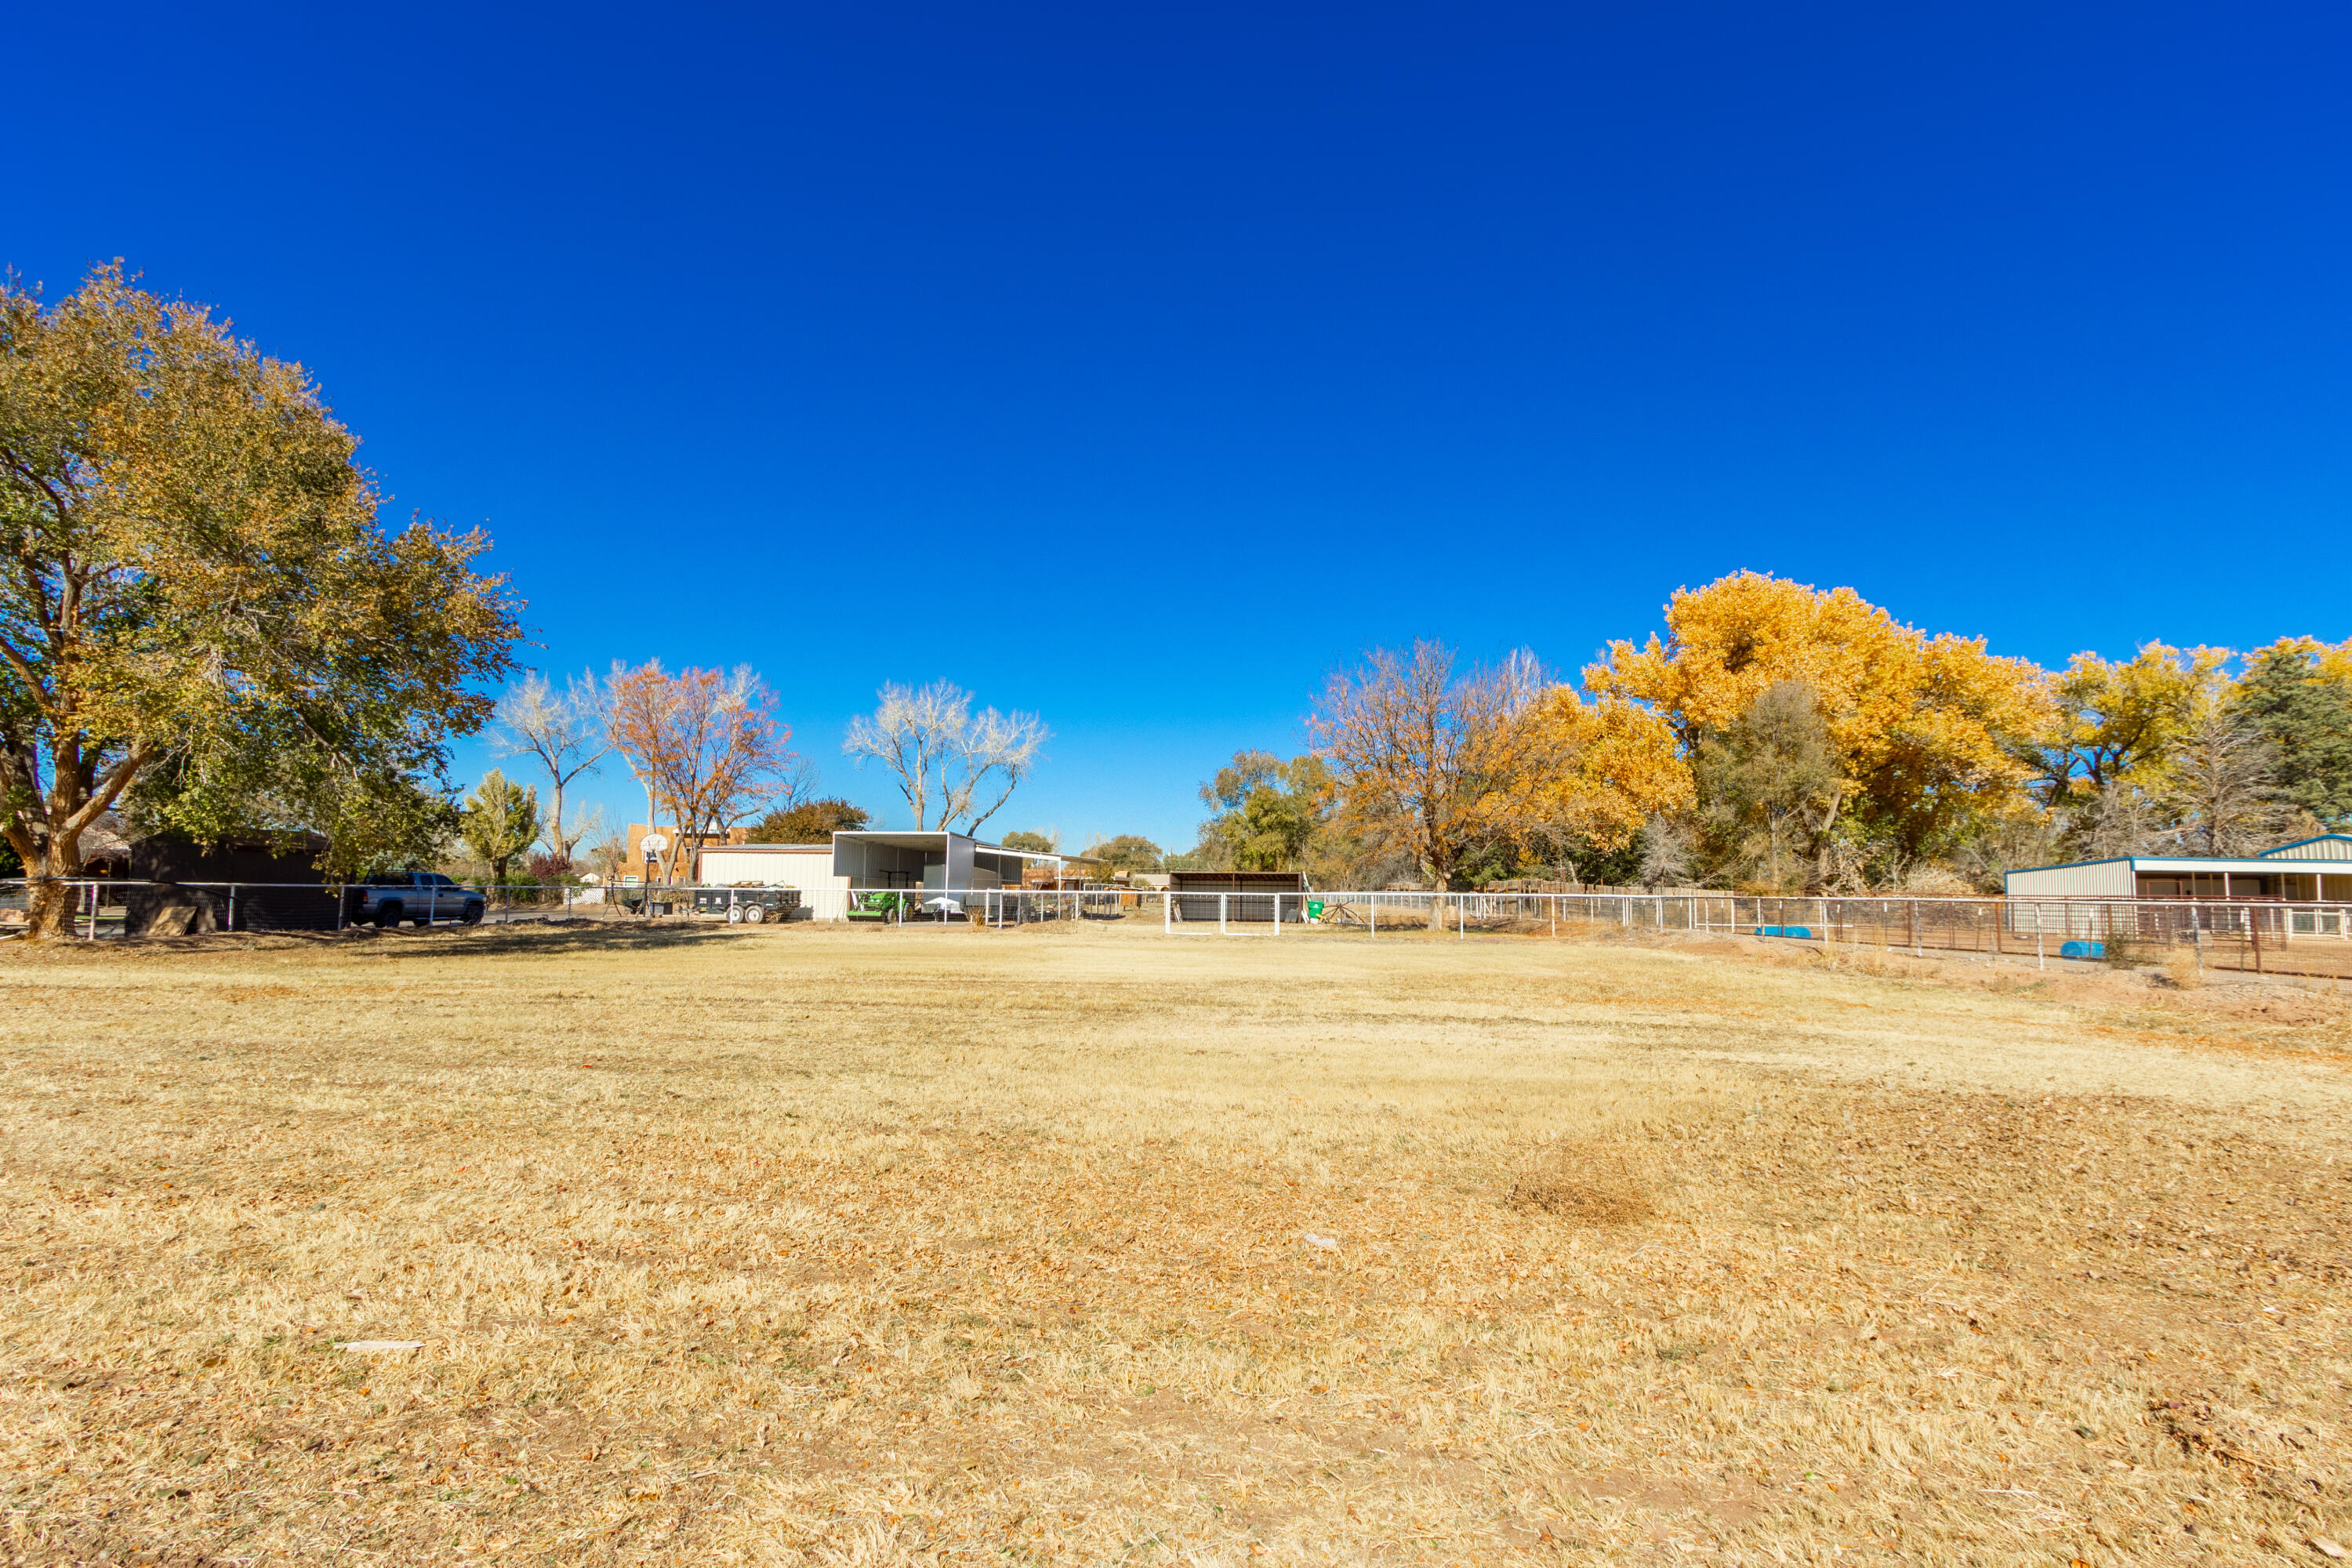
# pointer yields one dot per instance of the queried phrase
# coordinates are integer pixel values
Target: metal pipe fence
(2268, 936)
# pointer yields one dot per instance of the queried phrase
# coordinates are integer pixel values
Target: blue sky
(1137, 366)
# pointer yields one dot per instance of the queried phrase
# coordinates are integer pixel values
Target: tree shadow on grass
(535, 937)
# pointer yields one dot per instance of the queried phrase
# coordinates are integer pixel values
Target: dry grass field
(863, 1246)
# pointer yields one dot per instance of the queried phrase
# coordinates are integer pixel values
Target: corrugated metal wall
(810, 870)
(2336, 848)
(2105, 878)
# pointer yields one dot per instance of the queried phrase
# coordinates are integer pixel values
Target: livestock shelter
(1246, 895)
(279, 886)
(2309, 871)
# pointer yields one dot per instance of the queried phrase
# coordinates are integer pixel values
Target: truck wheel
(473, 915)
(755, 914)
(386, 915)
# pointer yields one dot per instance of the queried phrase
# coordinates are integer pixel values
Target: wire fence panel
(2263, 936)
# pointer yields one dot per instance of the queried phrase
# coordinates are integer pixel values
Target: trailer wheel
(735, 917)
(755, 914)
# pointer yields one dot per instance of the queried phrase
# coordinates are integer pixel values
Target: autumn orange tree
(198, 609)
(1929, 735)
(1600, 770)
(1427, 757)
(706, 744)
(1444, 764)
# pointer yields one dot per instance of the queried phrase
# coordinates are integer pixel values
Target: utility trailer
(747, 906)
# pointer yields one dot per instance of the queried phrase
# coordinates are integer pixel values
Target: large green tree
(193, 577)
(811, 822)
(501, 821)
(2307, 718)
(1268, 811)
(1768, 784)
(1128, 852)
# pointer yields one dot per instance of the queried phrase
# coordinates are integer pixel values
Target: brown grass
(869, 1246)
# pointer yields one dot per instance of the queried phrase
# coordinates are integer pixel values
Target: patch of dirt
(1581, 1179)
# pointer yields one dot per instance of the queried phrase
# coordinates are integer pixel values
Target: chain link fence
(2262, 936)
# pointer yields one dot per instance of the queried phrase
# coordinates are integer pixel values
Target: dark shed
(278, 884)
(1250, 894)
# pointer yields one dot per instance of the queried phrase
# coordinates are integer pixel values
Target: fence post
(91, 935)
(1376, 914)
(2041, 956)
(1916, 953)
(1167, 912)
(1277, 914)
(1462, 917)
(232, 905)
(1220, 914)
(1554, 902)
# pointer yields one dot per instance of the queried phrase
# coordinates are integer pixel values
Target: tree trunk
(50, 909)
(1443, 875)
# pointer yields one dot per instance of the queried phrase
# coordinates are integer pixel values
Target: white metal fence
(2266, 935)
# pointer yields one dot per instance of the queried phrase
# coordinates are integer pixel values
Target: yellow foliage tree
(1929, 731)
(1605, 768)
(2117, 721)
(2334, 660)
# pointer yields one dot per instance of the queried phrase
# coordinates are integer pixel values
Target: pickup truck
(419, 898)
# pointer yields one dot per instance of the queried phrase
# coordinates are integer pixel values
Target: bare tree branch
(944, 759)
